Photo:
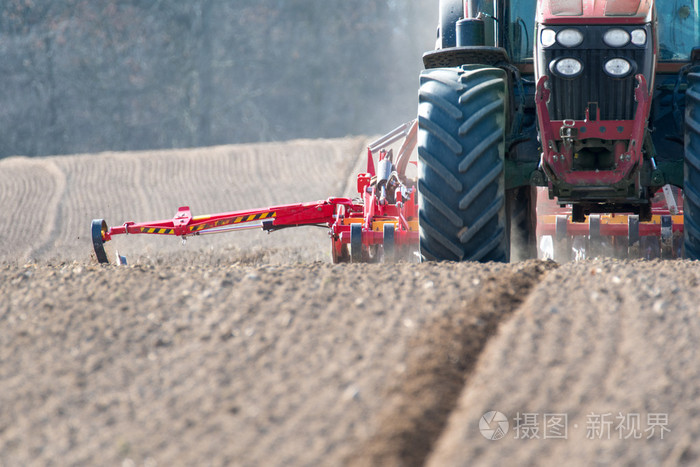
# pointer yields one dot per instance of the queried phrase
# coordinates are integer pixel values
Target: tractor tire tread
(461, 164)
(691, 182)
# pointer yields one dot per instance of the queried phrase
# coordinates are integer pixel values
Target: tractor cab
(679, 29)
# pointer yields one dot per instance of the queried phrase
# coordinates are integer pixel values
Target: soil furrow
(28, 191)
(444, 353)
(604, 347)
(54, 215)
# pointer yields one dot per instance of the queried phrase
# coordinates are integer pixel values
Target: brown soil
(594, 338)
(443, 354)
(251, 349)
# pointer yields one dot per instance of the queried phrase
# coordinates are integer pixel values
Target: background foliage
(90, 75)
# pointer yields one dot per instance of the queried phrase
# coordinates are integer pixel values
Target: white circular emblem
(493, 425)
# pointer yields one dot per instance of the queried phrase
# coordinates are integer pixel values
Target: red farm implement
(379, 225)
(619, 235)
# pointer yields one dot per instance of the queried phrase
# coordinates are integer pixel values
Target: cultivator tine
(580, 248)
(670, 199)
(633, 238)
(595, 240)
(619, 247)
(666, 227)
(619, 236)
(678, 245)
(546, 248)
(650, 246)
(667, 247)
(120, 260)
(562, 247)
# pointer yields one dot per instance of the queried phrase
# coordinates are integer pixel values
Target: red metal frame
(185, 225)
(337, 214)
(595, 12)
(547, 209)
(559, 158)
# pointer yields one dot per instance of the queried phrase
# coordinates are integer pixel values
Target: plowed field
(252, 349)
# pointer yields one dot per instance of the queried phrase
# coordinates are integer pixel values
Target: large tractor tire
(450, 12)
(461, 140)
(691, 182)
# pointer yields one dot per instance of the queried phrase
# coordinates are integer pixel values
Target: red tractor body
(595, 12)
(595, 68)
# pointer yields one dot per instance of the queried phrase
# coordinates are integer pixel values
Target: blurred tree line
(91, 75)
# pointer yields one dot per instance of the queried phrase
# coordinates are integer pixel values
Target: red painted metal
(547, 209)
(626, 7)
(337, 214)
(595, 11)
(370, 163)
(558, 157)
(184, 225)
(646, 229)
(331, 212)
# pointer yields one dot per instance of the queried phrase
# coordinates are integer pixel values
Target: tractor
(595, 102)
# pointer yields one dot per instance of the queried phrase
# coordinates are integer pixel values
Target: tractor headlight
(618, 67)
(639, 37)
(548, 37)
(567, 67)
(616, 37)
(570, 37)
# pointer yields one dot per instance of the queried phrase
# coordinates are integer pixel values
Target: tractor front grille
(614, 97)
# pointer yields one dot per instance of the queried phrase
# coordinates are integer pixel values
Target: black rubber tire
(461, 140)
(450, 12)
(98, 227)
(691, 182)
(521, 204)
